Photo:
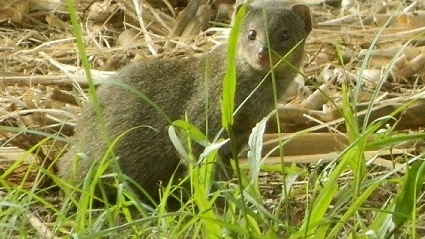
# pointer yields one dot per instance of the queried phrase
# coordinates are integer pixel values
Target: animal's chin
(266, 66)
(262, 65)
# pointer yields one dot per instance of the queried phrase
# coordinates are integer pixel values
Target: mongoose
(180, 87)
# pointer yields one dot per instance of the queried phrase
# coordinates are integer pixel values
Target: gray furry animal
(269, 31)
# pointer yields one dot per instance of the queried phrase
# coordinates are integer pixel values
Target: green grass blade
(411, 187)
(229, 81)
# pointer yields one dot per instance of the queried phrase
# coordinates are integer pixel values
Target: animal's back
(145, 152)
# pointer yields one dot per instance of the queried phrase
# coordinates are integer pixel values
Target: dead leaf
(44, 4)
(412, 20)
(57, 23)
(14, 11)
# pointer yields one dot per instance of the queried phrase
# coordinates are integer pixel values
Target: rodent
(177, 86)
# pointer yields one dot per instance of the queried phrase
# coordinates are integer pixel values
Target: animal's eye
(252, 35)
(285, 35)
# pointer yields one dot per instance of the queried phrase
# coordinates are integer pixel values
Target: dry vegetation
(377, 47)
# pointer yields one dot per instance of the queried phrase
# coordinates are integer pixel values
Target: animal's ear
(304, 12)
(237, 8)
